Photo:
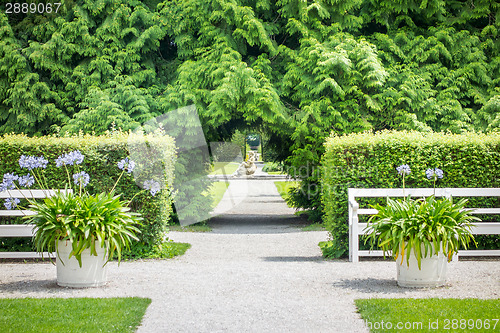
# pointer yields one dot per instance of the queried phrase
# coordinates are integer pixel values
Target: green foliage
(332, 249)
(86, 68)
(369, 161)
(272, 166)
(294, 70)
(72, 314)
(165, 250)
(314, 227)
(414, 225)
(238, 138)
(102, 153)
(16, 244)
(285, 187)
(226, 153)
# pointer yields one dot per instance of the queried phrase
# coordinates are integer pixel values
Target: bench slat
(486, 228)
(374, 253)
(16, 230)
(32, 194)
(478, 253)
(493, 211)
(16, 212)
(13, 255)
(481, 228)
(461, 253)
(421, 192)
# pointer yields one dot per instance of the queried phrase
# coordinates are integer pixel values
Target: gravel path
(253, 274)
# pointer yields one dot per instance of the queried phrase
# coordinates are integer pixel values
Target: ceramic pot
(92, 273)
(432, 272)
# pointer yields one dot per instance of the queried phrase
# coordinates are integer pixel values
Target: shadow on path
(256, 224)
(317, 259)
(380, 286)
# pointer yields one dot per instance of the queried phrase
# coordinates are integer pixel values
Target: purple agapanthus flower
(434, 173)
(32, 162)
(71, 158)
(26, 181)
(10, 178)
(4, 187)
(81, 178)
(403, 169)
(8, 182)
(152, 186)
(11, 203)
(126, 163)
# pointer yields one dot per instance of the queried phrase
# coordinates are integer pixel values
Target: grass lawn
(71, 314)
(276, 172)
(169, 250)
(430, 315)
(314, 227)
(217, 191)
(220, 168)
(165, 250)
(284, 186)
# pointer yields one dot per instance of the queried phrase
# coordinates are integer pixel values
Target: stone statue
(248, 167)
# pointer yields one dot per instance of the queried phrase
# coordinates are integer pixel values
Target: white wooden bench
(22, 230)
(356, 228)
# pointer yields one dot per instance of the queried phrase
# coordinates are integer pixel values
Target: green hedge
(369, 160)
(154, 156)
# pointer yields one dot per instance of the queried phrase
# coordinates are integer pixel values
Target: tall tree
(295, 69)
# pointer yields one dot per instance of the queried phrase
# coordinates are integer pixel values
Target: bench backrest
(22, 194)
(22, 230)
(356, 228)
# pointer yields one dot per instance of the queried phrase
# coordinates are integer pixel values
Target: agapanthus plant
(76, 215)
(80, 179)
(403, 170)
(424, 226)
(434, 175)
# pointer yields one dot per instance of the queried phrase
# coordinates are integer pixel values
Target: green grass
(430, 315)
(220, 168)
(71, 314)
(169, 250)
(314, 227)
(166, 250)
(284, 186)
(217, 191)
(276, 172)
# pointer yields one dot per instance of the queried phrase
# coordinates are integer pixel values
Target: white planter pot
(431, 274)
(91, 274)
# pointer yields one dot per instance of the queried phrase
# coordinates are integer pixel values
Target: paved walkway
(253, 273)
(252, 197)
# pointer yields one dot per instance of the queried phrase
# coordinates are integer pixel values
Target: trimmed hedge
(154, 156)
(369, 160)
